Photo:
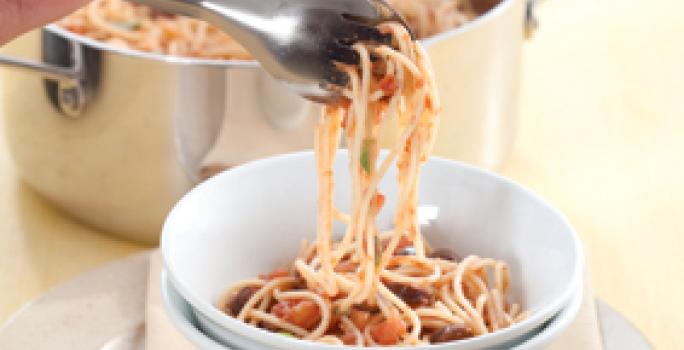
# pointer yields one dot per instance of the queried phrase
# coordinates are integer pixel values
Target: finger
(19, 16)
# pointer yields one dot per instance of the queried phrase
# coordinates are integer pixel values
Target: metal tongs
(296, 41)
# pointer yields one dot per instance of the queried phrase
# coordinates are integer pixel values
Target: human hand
(19, 16)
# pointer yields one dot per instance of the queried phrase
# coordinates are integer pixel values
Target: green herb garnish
(129, 25)
(287, 334)
(367, 147)
(378, 251)
(339, 312)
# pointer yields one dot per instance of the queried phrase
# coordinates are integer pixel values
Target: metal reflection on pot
(141, 126)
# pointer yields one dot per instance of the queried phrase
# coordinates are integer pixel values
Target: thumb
(19, 16)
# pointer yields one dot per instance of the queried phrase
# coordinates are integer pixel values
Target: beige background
(601, 137)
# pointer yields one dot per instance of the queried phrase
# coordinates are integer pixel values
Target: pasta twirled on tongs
(374, 287)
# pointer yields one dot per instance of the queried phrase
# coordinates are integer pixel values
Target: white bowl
(251, 219)
(181, 315)
(556, 325)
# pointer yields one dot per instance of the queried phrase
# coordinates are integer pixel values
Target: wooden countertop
(600, 136)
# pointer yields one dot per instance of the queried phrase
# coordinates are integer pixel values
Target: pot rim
(502, 6)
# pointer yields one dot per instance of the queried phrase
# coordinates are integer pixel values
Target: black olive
(365, 307)
(444, 254)
(451, 333)
(300, 282)
(414, 296)
(239, 300)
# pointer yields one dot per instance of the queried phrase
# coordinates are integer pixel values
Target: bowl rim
(268, 338)
(55, 29)
(178, 319)
(558, 323)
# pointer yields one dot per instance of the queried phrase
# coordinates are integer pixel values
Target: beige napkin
(161, 334)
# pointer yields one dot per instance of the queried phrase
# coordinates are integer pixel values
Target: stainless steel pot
(114, 137)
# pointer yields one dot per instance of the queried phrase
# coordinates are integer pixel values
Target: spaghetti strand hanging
(378, 287)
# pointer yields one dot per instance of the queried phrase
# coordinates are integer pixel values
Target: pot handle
(531, 21)
(71, 94)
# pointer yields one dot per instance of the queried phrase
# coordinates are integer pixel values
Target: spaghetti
(372, 287)
(122, 24)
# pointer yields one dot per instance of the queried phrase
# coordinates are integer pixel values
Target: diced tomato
(348, 337)
(344, 122)
(346, 266)
(277, 273)
(388, 85)
(403, 243)
(335, 322)
(378, 201)
(359, 318)
(343, 103)
(407, 146)
(389, 331)
(302, 313)
(282, 308)
(76, 29)
(428, 103)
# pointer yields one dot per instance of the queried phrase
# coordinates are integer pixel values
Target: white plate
(63, 318)
(102, 306)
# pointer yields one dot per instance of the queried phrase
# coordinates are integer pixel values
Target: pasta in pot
(372, 287)
(429, 17)
(123, 24)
